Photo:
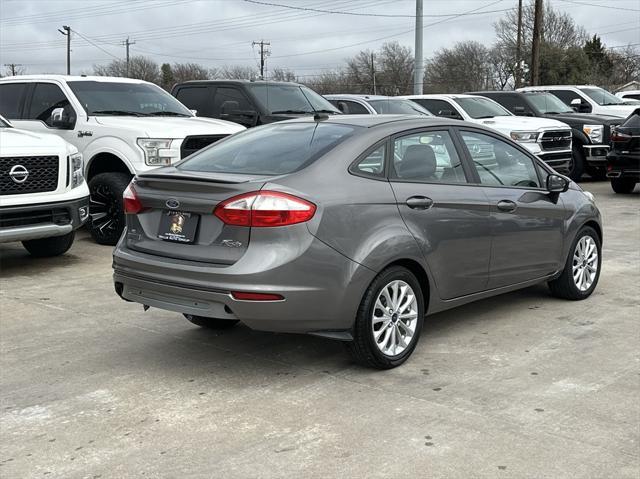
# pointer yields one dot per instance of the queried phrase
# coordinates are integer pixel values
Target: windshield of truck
(395, 106)
(481, 107)
(547, 103)
(290, 99)
(602, 97)
(126, 99)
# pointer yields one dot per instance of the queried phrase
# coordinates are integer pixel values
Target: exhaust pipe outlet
(614, 174)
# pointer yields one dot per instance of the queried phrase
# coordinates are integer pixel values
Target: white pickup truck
(548, 139)
(43, 195)
(121, 127)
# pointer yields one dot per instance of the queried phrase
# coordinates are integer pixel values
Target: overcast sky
(218, 32)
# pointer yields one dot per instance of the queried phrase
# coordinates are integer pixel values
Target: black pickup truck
(623, 161)
(251, 103)
(591, 132)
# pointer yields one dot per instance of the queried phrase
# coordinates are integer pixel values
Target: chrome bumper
(24, 233)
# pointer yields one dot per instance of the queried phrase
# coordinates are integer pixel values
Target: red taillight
(239, 295)
(617, 136)
(132, 204)
(264, 208)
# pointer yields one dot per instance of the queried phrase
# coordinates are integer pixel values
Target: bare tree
(282, 74)
(330, 82)
(189, 71)
(396, 64)
(360, 71)
(140, 67)
(14, 70)
(167, 79)
(463, 67)
(502, 70)
(237, 72)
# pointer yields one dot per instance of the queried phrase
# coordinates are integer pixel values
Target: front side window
(194, 97)
(480, 107)
(227, 100)
(499, 163)
(274, 149)
(46, 98)
(11, 96)
(601, 96)
(439, 107)
(349, 107)
(428, 157)
(567, 96)
(548, 104)
(102, 98)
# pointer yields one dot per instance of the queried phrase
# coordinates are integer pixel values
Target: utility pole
(418, 75)
(535, 51)
(13, 67)
(373, 74)
(264, 52)
(519, 47)
(127, 43)
(67, 33)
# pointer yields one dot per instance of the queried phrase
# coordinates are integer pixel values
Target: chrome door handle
(419, 202)
(507, 205)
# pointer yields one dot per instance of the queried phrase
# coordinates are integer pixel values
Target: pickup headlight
(594, 132)
(75, 167)
(157, 151)
(524, 136)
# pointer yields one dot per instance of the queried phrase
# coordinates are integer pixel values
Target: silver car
(353, 228)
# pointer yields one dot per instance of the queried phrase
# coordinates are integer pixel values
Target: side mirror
(60, 118)
(519, 110)
(557, 183)
(576, 102)
(448, 113)
(194, 112)
(228, 107)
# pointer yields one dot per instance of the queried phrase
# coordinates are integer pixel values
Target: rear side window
(373, 163)
(11, 97)
(46, 97)
(273, 149)
(195, 98)
(350, 107)
(228, 100)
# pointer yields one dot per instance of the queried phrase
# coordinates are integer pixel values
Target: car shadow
(14, 260)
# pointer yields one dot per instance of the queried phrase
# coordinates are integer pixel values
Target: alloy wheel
(585, 263)
(103, 210)
(394, 318)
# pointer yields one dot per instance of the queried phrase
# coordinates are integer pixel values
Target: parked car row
(122, 127)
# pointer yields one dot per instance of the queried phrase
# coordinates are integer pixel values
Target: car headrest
(418, 162)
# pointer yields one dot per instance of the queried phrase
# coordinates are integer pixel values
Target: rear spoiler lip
(201, 179)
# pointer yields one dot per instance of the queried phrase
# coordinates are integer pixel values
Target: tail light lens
(242, 296)
(132, 204)
(265, 209)
(617, 136)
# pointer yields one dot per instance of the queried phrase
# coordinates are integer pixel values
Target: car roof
(237, 81)
(372, 121)
(542, 87)
(66, 78)
(439, 96)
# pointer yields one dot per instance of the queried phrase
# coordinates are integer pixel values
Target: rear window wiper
(118, 112)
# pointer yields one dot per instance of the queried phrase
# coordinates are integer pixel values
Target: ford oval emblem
(172, 203)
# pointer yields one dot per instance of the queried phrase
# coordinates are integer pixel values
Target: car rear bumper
(322, 289)
(45, 220)
(623, 166)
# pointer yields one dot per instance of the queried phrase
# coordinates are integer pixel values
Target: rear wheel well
(106, 163)
(420, 274)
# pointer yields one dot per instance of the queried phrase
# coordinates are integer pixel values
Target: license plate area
(178, 226)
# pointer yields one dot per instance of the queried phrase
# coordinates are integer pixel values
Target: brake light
(131, 202)
(242, 296)
(617, 136)
(264, 209)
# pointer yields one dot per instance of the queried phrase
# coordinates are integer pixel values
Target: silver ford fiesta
(353, 228)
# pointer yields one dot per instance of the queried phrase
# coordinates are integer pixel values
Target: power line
(360, 14)
(608, 6)
(97, 46)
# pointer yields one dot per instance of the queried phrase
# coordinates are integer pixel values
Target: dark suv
(591, 132)
(251, 103)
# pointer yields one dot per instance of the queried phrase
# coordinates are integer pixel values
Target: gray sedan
(353, 228)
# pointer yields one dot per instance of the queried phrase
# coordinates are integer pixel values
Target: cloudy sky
(219, 32)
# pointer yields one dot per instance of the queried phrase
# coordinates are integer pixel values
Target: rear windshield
(278, 98)
(274, 149)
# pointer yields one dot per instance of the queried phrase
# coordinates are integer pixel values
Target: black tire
(106, 210)
(211, 323)
(47, 247)
(363, 349)
(623, 185)
(597, 172)
(576, 168)
(564, 286)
